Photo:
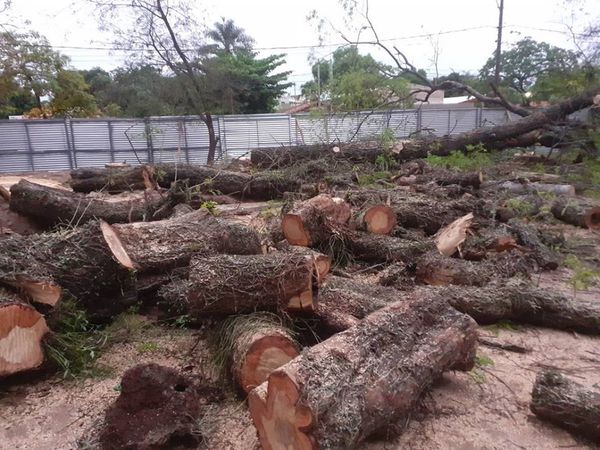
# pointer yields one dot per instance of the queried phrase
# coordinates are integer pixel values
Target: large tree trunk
(312, 222)
(444, 178)
(21, 331)
(520, 302)
(522, 132)
(49, 206)
(376, 219)
(255, 345)
(77, 261)
(163, 245)
(260, 187)
(279, 157)
(578, 213)
(357, 382)
(567, 404)
(228, 284)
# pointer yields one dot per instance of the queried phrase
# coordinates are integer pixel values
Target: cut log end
(294, 231)
(380, 219)
(38, 291)
(279, 419)
(21, 331)
(266, 354)
(592, 218)
(116, 246)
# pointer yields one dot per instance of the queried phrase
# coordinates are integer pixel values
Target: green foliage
(386, 139)
(76, 343)
(503, 325)
(526, 61)
(211, 207)
(372, 178)
(483, 361)
(147, 347)
(554, 86)
(71, 97)
(474, 160)
(583, 277)
(522, 207)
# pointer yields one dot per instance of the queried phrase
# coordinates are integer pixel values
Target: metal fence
(59, 144)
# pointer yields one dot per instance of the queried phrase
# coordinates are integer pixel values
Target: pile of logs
(380, 347)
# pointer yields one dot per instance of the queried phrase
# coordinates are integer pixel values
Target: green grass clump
(522, 207)
(583, 276)
(372, 178)
(458, 160)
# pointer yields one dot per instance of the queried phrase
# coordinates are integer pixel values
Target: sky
(464, 31)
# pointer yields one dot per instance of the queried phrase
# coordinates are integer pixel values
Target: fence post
(419, 120)
(148, 132)
(73, 145)
(185, 141)
(449, 118)
(110, 141)
(223, 136)
(69, 151)
(29, 145)
(290, 129)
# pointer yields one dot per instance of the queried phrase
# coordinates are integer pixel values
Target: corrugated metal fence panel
(62, 144)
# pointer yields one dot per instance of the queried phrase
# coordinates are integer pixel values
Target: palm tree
(230, 38)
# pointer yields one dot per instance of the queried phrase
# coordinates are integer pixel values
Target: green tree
(244, 84)
(555, 86)
(527, 60)
(229, 38)
(71, 96)
(29, 60)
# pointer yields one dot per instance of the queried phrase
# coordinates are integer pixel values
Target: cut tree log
(437, 270)
(77, 261)
(577, 212)
(4, 194)
(260, 187)
(228, 284)
(525, 187)
(22, 329)
(357, 382)
(49, 206)
(280, 157)
(384, 249)
(344, 302)
(163, 245)
(111, 180)
(443, 178)
(520, 206)
(567, 404)
(157, 408)
(311, 222)
(520, 302)
(254, 346)
(376, 219)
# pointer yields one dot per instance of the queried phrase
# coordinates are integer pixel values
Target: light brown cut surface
(116, 247)
(380, 219)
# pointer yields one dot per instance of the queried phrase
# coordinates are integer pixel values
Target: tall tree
(167, 35)
(244, 84)
(29, 60)
(229, 38)
(71, 96)
(528, 59)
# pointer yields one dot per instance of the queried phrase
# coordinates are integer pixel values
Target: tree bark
(281, 157)
(357, 382)
(242, 185)
(528, 237)
(344, 302)
(313, 221)
(49, 206)
(437, 270)
(519, 302)
(578, 213)
(77, 261)
(567, 404)
(385, 249)
(22, 329)
(112, 180)
(163, 245)
(228, 284)
(444, 178)
(526, 187)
